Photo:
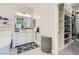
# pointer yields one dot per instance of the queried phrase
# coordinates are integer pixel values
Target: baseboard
(65, 46)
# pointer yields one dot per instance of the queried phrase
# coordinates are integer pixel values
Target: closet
(65, 25)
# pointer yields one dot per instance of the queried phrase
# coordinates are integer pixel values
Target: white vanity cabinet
(20, 38)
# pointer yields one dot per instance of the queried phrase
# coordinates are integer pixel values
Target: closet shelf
(67, 38)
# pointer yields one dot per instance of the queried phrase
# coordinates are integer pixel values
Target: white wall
(9, 11)
(46, 16)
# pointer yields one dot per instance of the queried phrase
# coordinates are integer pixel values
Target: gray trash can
(46, 44)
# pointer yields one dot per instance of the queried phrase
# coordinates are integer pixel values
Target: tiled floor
(72, 49)
(36, 51)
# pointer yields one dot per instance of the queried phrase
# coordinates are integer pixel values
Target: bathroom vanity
(24, 31)
(20, 38)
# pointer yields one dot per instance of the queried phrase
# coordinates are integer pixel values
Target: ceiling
(31, 5)
(35, 5)
(75, 6)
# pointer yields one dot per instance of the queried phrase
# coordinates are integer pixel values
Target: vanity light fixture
(25, 15)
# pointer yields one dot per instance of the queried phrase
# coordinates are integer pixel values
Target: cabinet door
(29, 37)
(18, 39)
(77, 24)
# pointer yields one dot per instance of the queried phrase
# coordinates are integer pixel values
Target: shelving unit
(67, 30)
(65, 25)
